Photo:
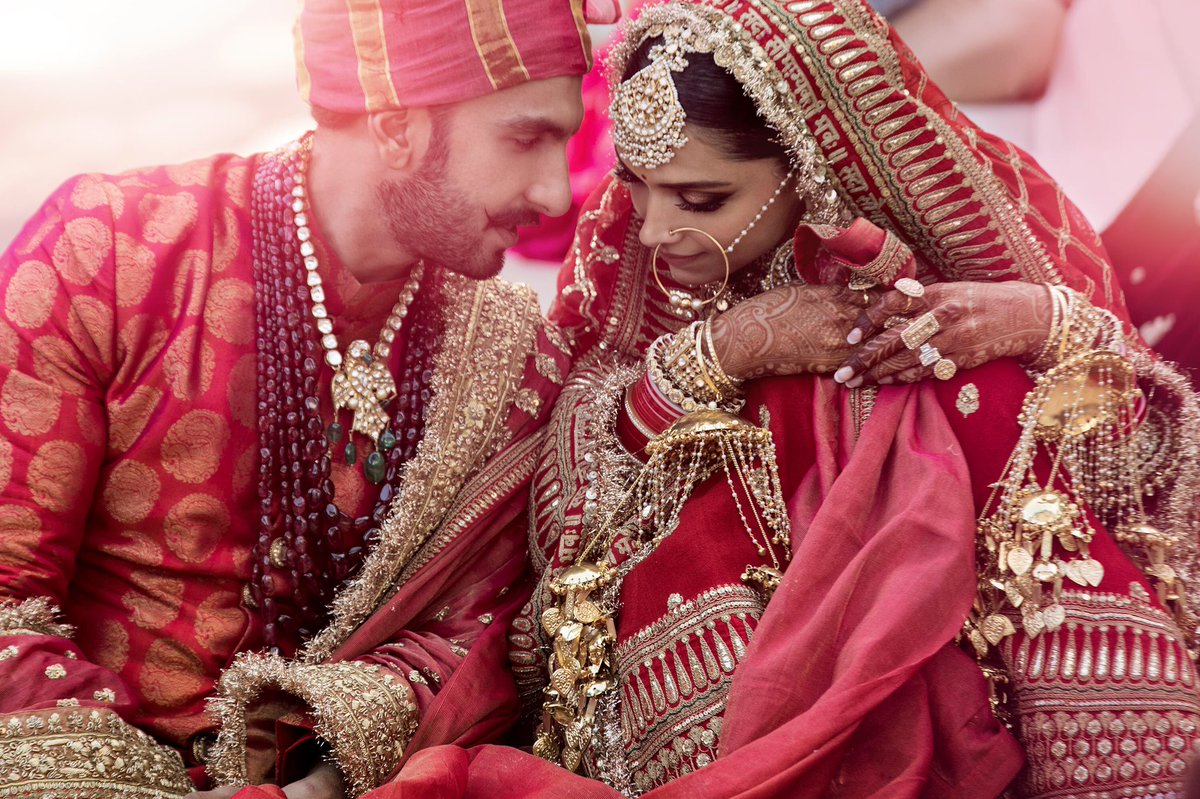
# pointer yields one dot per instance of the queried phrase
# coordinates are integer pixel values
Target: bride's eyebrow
(687, 185)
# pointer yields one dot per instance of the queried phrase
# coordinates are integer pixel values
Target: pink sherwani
(129, 471)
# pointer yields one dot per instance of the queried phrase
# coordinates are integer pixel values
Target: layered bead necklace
(304, 539)
(361, 380)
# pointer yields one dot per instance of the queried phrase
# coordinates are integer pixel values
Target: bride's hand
(791, 329)
(977, 323)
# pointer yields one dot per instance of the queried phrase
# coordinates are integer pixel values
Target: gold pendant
(363, 385)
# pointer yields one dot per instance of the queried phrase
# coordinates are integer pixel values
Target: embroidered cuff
(363, 712)
(37, 616)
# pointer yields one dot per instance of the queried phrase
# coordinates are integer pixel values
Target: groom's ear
(400, 136)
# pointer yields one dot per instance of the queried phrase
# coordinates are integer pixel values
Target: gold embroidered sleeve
(85, 753)
(365, 714)
(37, 616)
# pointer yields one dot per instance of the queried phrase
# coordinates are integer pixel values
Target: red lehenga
(849, 681)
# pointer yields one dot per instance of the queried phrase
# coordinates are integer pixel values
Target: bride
(858, 485)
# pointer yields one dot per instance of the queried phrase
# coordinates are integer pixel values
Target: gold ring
(920, 330)
(909, 287)
(944, 369)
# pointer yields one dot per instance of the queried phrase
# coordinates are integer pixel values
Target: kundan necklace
(361, 380)
(307, 546)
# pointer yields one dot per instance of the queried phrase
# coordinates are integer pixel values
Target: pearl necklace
(361, 380)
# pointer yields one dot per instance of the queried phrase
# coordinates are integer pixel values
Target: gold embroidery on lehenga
(1138, 740)
(675, 676)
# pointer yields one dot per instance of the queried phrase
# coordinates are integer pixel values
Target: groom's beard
(430, 218)
(425, 214)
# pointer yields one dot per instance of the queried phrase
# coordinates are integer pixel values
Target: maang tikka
(646, 113)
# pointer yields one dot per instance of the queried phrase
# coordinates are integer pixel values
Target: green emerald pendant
(374, 467)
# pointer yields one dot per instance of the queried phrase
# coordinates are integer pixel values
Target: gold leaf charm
(1015, 597)
(552, 619)
(979, 642)
(1045, 571)
(563, 681)
(1085, 572)
(587, 611)
(996, 628)
(1054, 616)
(1019, 560)
(571, 758)
(546, 747)
(1034, 622)
(1074, 572)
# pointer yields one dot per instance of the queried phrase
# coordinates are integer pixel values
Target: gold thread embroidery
(363, 712)
(548, 369)
(73, 753)
(36, 616)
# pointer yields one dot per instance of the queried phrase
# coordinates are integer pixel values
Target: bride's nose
(657, 227)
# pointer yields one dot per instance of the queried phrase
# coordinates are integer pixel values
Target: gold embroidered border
(1175, 406)
(491, 333)
(1106, 706)
(92, 754)
(36, 616)
(363, 712)
(668, 723)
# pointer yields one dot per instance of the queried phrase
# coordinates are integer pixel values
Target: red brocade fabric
(129, 466)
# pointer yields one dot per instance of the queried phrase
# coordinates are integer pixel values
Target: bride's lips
(676, 261)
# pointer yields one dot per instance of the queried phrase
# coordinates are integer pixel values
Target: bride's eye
(701, 206)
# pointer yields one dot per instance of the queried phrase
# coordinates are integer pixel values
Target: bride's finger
(891, 304)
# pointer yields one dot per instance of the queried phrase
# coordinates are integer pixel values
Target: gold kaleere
(1083, 413)
(580, 622)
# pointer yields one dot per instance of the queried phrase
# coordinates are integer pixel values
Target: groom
(273, 417)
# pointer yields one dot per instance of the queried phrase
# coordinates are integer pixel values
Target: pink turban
(355, 56)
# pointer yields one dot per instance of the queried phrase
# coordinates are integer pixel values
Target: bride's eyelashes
(702, 207)
(694, 206)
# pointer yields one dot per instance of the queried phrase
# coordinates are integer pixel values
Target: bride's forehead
(702, 157)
